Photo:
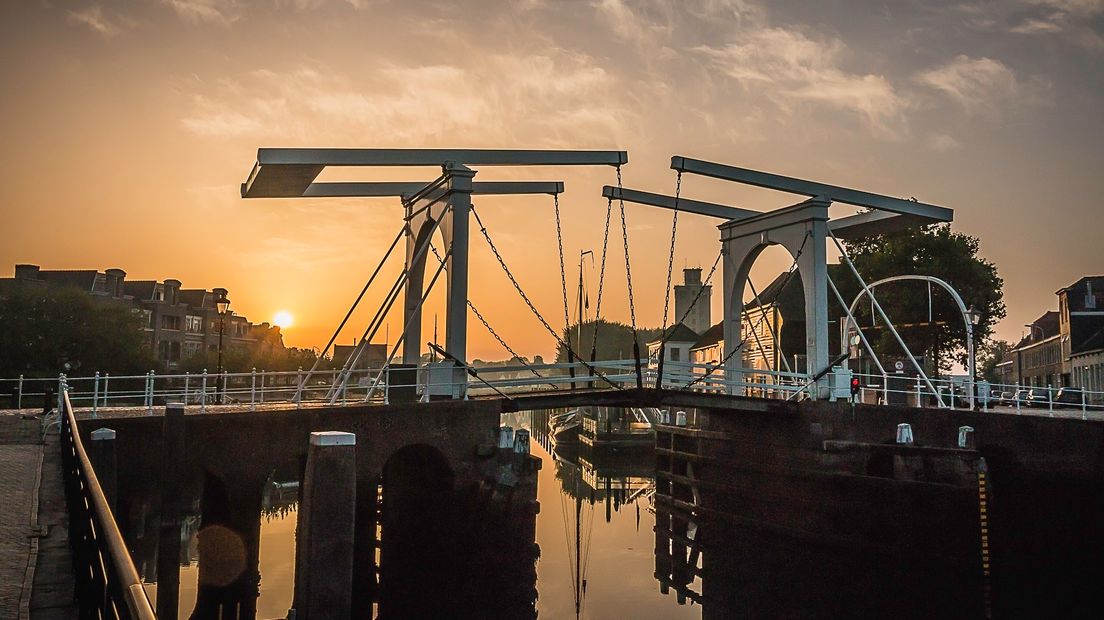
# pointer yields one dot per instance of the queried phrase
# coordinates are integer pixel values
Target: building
(1064, 347)
(692, 301)
(180, 323)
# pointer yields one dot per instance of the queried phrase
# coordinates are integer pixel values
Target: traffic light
(854, 387)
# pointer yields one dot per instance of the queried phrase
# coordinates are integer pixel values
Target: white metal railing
(258, 388)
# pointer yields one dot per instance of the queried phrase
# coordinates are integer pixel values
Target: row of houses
(1063, 347)
(179, 322)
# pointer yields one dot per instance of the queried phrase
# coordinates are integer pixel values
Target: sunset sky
(129, 125)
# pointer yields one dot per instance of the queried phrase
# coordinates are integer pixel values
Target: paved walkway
(35, 567)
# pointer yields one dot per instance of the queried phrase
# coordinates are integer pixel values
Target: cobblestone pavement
(19, 466)
(36, 578)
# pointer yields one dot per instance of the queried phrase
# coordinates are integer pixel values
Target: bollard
(105, 463)
(680, 418)
(966, 437)
(904, 433)
(168, 542)
(327, 515)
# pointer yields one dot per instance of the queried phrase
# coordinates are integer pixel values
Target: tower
(697, 318)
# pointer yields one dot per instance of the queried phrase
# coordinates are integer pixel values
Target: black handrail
(107, 583)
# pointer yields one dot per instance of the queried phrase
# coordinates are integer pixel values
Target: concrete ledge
(332, 438)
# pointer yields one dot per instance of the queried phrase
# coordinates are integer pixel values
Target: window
(193, 324)
(170, 322)
(675, 354)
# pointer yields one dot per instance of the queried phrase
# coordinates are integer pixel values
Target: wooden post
(168, 544)
(105, 464)
(327, 513)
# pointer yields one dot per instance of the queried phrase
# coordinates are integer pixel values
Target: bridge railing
(107, 580)
(255, 389)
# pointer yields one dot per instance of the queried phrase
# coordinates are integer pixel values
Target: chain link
(490, 329)
(601, 281)
(528, 302)
(563, 271)
(671, 254)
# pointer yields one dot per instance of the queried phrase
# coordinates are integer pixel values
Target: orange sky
(129, 125)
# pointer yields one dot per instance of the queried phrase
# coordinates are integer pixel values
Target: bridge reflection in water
(711, 524)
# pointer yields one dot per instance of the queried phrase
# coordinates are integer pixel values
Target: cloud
(553, 99)
(220, 12)
(94, 18)
(1071, 18)
(785, 65)
(981, 84)
(942, 143)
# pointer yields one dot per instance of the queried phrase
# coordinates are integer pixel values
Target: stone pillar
(172, 481)
(104, 461)
(324, 553)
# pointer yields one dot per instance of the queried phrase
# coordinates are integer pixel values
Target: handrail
(107, 581)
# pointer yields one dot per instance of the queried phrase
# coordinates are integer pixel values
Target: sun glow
(283, 319)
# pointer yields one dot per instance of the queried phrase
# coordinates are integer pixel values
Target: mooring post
(105, 464)
(168, 543)
(327, 516)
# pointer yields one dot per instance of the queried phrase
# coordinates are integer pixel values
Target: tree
(48, 330)
(615, 341)
(933, 250)
(991, 354)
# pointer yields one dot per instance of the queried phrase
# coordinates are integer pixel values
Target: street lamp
(222, 306)
(973, 318)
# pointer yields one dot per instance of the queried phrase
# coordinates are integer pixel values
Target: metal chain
(490, 329)
(762, 316)
(563, 271)
(671, 253)
(601, 281)
(628, 268)
(528, 302)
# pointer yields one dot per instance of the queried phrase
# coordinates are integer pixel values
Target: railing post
(107, 379)
(1050, 401)
(19, 394)
(1016, 397)
(152, 389)
(203, 393)
(1084, 408)
(918, 396)
(187, 382)
(223, 382)
(387, 385)
(298, 389)
(262, 386)
(60, 391)
(95, 394)
(253, 390)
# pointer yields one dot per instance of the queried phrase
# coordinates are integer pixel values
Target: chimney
(115, 278)
(172, 287)
(26, 272)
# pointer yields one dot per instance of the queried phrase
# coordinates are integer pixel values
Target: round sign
(899, 365)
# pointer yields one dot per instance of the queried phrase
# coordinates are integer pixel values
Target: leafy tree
(933, 250)
(615, 340)
(47, 330)
(991, 354)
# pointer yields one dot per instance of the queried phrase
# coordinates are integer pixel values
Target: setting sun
(282, 319)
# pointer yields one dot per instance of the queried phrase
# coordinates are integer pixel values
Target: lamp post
(222, 306)
(973, 319)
